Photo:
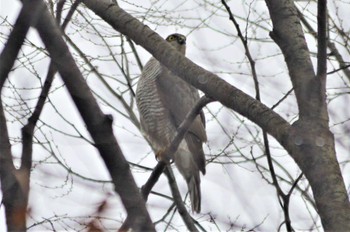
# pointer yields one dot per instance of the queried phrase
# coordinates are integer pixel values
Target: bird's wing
(179, 98)
(196, 149)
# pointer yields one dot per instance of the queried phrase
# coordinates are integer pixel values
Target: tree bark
(310, 141)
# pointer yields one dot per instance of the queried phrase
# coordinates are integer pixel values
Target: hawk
(163, 100)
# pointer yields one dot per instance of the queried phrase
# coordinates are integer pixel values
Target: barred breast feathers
(153, 118)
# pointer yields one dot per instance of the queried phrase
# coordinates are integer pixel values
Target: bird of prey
(163, 100)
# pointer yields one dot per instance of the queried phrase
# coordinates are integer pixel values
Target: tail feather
(194, 188)
(190, 171)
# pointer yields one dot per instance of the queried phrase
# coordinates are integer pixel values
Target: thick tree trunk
(312, 147)
(310, 141)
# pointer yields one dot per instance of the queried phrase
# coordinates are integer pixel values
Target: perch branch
(171, 149)
(162, 166)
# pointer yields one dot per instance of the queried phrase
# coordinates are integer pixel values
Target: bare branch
(153, 179)
(208, 82)
(129, 110)
(186, 123)
(246, 48)
(15, 41)
(171, 149)
(14, 183)
(285, 204)
(288, 34)
(178, 200)
(28, 129)
(313, 117)
(134, 51)
(322, 40)
(331, 46)
(70, 14)
(59, 8)
(98, 124)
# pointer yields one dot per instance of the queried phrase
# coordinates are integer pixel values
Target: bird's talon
(161, 156)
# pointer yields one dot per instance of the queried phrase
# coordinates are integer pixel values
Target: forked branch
(98, 124)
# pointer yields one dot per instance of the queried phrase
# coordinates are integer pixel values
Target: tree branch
(331, 46)
(98, 124)
(15, 40)
(186, 123)
(289, 36)
(322, 39)
(28, 129)
(246, 48)
(285, 204)
(310, 142)
(322, 30)
(153, 179)
(171, 149)
(186, 217)
(206, 81)
(14, 183)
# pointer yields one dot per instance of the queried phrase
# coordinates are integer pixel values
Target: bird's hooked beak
(181, 40)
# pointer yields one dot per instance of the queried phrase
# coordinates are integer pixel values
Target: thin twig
(178, 200)
(331, 46)
(134, 51)
(285, 204)
(246, 48)
(342, 68)
(282, 99)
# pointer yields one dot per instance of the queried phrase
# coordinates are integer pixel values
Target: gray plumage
(163, 100)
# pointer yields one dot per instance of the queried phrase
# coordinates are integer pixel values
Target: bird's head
(178, 41)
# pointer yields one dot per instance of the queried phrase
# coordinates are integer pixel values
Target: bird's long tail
(194, 188)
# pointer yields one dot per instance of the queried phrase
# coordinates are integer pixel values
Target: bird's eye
(171, 38)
